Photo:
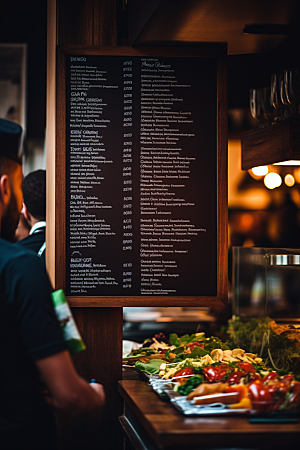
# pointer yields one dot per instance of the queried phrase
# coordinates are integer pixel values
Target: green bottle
(70, 331)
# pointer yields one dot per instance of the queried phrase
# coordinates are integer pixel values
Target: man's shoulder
(32, 238)
(9, 250)
(21, 267)
(33, 241)
(10, 253)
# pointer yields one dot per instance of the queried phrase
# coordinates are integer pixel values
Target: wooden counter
(150, 423)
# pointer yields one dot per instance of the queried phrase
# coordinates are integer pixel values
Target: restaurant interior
(263, 38)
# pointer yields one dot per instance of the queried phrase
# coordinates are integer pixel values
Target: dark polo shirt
(29, 331)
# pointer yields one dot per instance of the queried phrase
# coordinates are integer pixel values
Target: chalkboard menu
(141, 176)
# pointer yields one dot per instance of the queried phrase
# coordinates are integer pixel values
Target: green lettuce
(151, 367)
(184, 340)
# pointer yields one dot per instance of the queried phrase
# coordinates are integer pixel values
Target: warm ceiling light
(272, 180)
(260, 171)
(293, 162)
(289, 180)
(297, 175)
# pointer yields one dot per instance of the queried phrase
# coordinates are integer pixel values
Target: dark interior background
(25, 22)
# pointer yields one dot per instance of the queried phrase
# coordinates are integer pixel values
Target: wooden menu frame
(56, 213)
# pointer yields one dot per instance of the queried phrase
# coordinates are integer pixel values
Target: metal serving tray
(189, 409)
(164, 388)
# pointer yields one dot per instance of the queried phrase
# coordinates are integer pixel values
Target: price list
(127, 243)
(141, 176)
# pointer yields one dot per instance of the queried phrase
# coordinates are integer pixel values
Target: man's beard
(10, 220)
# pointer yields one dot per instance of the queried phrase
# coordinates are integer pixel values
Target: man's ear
(5, 190)
(26, 213)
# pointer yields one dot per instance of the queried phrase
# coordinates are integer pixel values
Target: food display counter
(150, 423)
(179, 396)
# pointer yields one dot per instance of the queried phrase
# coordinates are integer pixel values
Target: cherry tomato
(247, 367)
(214, 374)
(185, 373)
(283, 388)
(277, 390)
(235, 377)
(269, 377)
(259, 392)
(287, 378)
(260, 396)
(192, 345)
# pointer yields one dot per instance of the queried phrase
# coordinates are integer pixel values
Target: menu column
(127, 175)
(88, 161)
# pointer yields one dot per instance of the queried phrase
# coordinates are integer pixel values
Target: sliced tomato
(235, 377)
(287, 378)
(214, 374)
(183, 375)
(270, 377)
(247, 367)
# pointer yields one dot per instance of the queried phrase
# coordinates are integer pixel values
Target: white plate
(128, 346)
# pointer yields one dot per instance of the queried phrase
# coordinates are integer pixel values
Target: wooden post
(81, 22)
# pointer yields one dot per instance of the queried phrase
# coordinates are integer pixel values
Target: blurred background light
(272, 180)
(260, 171)
(289, 180)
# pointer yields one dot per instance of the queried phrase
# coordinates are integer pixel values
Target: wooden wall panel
(50, 138)
(101, 330)
(60, 178)
(75, 22)
(222, 170)
(105, 22)
(102, 358)
(87, 22)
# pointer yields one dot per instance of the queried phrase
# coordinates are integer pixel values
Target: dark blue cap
(10, 140)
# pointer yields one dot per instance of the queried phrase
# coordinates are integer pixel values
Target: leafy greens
(151, 367)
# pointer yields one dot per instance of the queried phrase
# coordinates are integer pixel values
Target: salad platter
(205, 376)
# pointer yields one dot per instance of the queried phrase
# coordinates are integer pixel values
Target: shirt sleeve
(30, 298)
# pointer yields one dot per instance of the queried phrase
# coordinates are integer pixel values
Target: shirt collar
(37, 225)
